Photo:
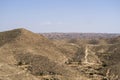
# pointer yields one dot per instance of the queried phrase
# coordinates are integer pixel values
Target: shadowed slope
(26, 41)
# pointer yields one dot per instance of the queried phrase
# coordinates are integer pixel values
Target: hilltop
(23, 53)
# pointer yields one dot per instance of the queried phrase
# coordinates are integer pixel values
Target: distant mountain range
(79, 35)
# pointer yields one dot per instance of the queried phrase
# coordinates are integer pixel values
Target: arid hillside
(25, 55)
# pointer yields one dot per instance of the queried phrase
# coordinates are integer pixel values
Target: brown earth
(25, 55)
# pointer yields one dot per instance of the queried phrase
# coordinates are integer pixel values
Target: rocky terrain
(25, 55)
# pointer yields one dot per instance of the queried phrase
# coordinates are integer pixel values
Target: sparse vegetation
(29, 56)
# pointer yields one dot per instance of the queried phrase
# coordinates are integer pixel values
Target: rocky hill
(25, 55)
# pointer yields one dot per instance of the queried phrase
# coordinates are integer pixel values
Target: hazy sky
(61, 15)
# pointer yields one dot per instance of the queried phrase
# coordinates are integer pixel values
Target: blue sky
(61, 15)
